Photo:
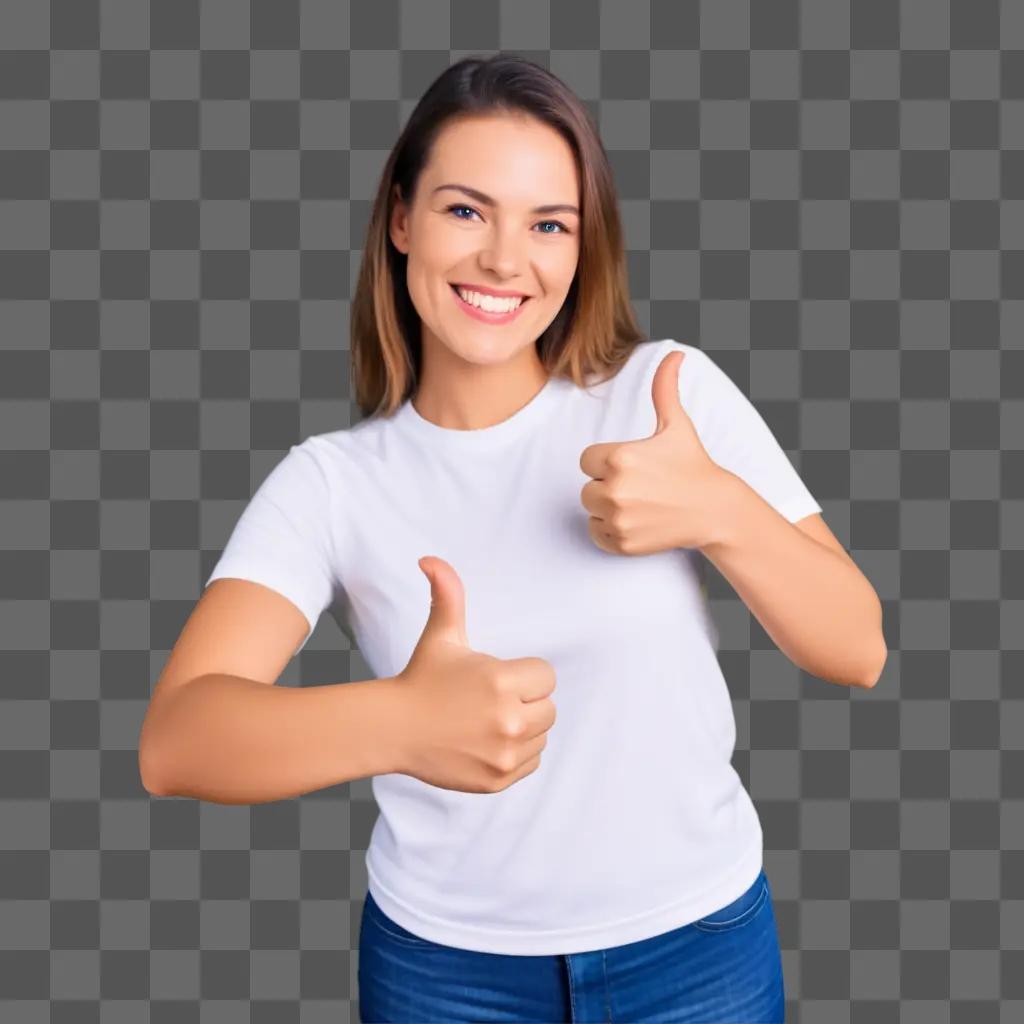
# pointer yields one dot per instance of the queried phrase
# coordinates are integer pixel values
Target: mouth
(482, 314)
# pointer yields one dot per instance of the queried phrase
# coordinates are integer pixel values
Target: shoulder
(662, 348)
(325, 453)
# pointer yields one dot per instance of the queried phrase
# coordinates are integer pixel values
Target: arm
(294, 740)
(817, 606)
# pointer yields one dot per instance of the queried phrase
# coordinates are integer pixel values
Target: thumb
(447, 619)
(665, 390)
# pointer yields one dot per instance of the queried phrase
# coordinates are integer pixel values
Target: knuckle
(506, 762)
(619, 459)
(511, 728)
(500, 681)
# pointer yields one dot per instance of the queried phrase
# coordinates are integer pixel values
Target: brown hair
(594, 331)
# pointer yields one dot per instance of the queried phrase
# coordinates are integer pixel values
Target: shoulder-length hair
(594, 331)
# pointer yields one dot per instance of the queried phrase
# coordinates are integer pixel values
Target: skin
(475, 375)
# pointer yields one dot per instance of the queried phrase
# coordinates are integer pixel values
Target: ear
(397, 223)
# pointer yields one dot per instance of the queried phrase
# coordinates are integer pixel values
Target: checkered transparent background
(827, 195)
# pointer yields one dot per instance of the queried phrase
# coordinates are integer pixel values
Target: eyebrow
(488, 201)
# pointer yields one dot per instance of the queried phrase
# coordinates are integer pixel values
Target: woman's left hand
(660, 492)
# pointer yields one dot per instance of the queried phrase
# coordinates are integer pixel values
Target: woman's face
(453, 237)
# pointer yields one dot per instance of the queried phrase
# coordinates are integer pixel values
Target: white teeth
(489, 303)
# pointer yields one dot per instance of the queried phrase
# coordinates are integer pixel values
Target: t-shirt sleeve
(283, 537)
(737, 437)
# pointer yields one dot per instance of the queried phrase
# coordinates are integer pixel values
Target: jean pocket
(392, 929)
(739, 912)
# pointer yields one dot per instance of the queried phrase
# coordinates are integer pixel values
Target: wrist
(394, 693)
(723, 503)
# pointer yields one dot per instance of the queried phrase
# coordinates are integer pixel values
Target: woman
(604, 866)
(534, 903)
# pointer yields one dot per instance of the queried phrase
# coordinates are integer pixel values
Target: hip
(725, 966)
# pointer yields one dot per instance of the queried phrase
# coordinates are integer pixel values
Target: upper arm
(237, 628)
(267, 590)
(738, 438)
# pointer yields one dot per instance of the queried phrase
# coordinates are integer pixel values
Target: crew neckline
(514, 427)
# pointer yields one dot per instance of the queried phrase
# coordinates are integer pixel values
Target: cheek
(421, 292)
(441, 242)
(561, 268)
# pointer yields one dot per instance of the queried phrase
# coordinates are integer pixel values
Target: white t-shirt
(635, 822)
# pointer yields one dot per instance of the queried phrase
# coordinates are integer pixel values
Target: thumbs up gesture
(470, 722)
(657, 493)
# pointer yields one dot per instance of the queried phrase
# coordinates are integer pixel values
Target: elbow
(878, 666)
(151, 760)
(148, 774)
(881, 649)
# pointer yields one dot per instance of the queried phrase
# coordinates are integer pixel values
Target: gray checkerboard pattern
(826, 194)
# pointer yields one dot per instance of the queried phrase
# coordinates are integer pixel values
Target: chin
(487, 351)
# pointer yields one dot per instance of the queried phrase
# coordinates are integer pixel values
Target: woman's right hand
(473, 723)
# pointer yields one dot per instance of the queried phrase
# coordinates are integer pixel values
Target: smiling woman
(498, 187)
(452, 535)
(491, 310)
(472, 377)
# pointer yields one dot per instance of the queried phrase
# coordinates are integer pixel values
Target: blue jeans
(725, 967)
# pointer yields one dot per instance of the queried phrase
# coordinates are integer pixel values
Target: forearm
(231, 740)
(819, 609)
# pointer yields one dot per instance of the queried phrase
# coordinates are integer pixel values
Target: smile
(484, 315)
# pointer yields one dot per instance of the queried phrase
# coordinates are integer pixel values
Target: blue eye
(462, 206)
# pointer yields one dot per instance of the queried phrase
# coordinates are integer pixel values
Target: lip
(482, 315)
(496, 292)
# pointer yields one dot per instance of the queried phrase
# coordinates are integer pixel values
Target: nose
(502, 253)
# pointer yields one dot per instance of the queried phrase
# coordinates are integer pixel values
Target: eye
(460, 206)
(463, 206)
